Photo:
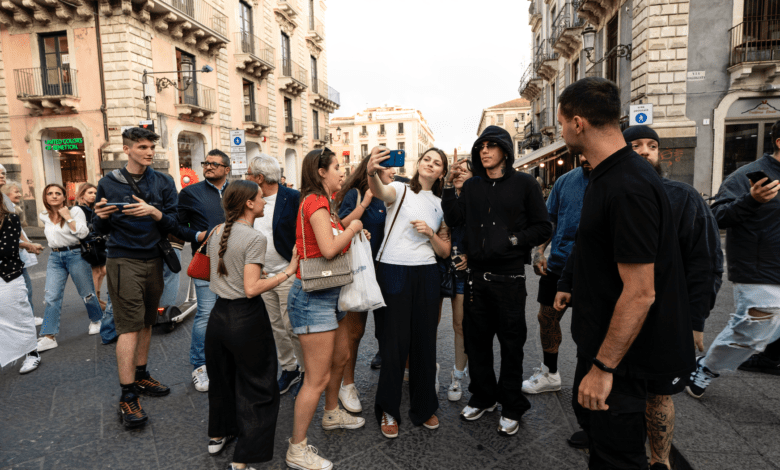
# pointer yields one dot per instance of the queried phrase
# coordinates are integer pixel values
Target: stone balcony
(256, 118)
(322, 96)
(530, 84)
(292, 78)
(293, 130)
(253, 55)
(24, 13)
(321, 136)
(567, 29)
(597, 12)
(197, 103)
(286, 15)
(48, 90)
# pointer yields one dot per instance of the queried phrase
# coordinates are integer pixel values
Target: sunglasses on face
(214, 164)
(486, 145)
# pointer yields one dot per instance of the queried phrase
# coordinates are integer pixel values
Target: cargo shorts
(135, 287)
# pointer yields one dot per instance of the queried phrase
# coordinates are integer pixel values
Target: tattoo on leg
(659, 415)
(550, 328)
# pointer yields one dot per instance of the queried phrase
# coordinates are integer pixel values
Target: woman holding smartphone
(410, 281)
(239, 345)
(314, 315)
(64, 228)
(85, 199)
(356, 202)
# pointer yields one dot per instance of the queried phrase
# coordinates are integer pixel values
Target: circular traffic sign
(641, 118)
(237, 141)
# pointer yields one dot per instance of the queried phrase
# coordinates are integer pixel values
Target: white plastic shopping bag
(364, 293)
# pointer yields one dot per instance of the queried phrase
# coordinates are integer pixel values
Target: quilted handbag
(200, 266)
(322, 273)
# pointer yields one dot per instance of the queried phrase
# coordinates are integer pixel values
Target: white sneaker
(200, 379)
(45, 343)
(94, 327)
(305, 457)
(340, 419)
(542, 381)
(437, 378)
(30, 364)
(350, 399)
(455, 391)
(38, 321)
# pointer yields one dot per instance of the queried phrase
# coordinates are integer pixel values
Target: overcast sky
(449, 59)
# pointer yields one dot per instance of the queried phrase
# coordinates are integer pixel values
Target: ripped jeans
(745, 334)
(61, 264)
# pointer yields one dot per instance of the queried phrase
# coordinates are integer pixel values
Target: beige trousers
(288, 347)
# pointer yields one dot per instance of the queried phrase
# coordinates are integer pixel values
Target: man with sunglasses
(200, 207)
(505, 216)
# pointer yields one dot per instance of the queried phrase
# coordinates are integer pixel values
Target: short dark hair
(220, 153)
(775, 135)
(595, 99)
(137, 134)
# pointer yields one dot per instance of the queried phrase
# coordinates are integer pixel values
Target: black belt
(66, 248)
(490, 277)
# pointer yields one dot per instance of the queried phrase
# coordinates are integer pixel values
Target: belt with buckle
(490, 277)
(66, 248)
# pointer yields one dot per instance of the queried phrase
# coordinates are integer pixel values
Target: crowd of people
(635, 255)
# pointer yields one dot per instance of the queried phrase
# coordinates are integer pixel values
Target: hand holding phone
(766, 191)
(757, 176)
(397, 159)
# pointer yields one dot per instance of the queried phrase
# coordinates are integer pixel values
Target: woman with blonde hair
(85, 199)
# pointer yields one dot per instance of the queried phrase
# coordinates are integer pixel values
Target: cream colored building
(512, 116)
(394, 127)
(72, 77)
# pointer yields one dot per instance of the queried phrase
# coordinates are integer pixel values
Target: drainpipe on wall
(103, 108)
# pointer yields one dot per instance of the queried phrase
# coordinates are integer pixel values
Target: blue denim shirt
(565, 205)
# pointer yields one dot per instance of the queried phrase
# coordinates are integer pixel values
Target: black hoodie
(495, 210)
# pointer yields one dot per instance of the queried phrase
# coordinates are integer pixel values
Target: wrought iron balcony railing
(46, 81)
(257, 113)
(334, 95)
(755, 41)
(293, 70)
(293, 126)
(566, 18)
(202, 12)
(250, 44)
(200, 96)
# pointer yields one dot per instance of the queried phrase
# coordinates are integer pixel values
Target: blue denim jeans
(61, 264)
(28, 283)
(171, 280)
(744, 334)
(206, 301)
(107, 327)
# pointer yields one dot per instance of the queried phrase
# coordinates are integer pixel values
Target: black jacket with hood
(493, 210)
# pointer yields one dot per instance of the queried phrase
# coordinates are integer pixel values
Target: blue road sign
(641, 118)
(237, 141)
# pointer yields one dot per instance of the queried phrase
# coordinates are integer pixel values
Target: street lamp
(560, 161)
(338, 132)
(188, 76)
(517, 124)
(589, 41)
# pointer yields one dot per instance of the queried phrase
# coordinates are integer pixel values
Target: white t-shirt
(62, 236)
(274, 262)
(405, 246)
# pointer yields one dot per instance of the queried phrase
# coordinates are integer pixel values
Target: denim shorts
(460, 285)
(313, 312)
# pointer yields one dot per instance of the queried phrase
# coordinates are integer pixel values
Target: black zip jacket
(494, 211)
(752, 228)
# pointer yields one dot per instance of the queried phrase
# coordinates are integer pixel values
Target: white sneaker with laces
(45, 343)
(348, 395)
(30, 364)
(94, 327)
(38, 321)
(340, 419)
(305, 457)
(542, 381)
(455, 392)
(200, 378)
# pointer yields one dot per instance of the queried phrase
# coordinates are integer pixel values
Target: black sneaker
(578, 440)
(376, 362)
(131, 412)
(151, 387)
(288, 379)
(700, 379)
(216, 446)
(761, 363)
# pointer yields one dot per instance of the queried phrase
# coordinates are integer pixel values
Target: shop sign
(63, 144)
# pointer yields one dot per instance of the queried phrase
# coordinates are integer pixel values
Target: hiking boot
(542, 381)
(432, 423)
(151, 387)
(216, 446)
(389, 426)
(340, 419)
(288, 379)
(470, 413)
(200, 378)
(305, 457)
(348, 395)
(761, 363)
(700, 379)
(131, 412)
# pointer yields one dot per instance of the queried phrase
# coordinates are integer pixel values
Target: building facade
(74, 77)
(394, 127)
(512, 116)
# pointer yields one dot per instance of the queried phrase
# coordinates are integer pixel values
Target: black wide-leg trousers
(409, 325)
(241, 363)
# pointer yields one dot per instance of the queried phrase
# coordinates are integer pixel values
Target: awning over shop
(539, 154)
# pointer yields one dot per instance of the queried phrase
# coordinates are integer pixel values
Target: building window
(185, 64)
(245, 16)
(744, 144)
(315, 118)
(612, 41)
(315, 86)
(364, 150)
(55, 64)
(519, 147)
(402, 170)
(311, 14)
(401, 145)
(286, 56)
(575, 70)
(288, 115)
(551, 121)
(500, 118)
(381, 129)
(364, 131)
(249, 102)
(400, 128)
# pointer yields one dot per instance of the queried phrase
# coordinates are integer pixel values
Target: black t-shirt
(10, 263)
(627, 218)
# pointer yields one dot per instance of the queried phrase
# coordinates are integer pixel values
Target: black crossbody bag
(168, 255)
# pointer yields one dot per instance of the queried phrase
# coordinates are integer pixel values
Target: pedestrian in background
(356, 202)
(85, 199)
(64, 228)
(504, 215)
(278, 227)
(409, 277)
(239, 348)
(200, 209)
(314, 315)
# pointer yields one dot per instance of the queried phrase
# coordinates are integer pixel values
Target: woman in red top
(314, 316)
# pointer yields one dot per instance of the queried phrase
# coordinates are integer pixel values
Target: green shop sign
(63, 144)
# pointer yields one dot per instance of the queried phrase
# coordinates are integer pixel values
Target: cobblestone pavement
(64, 415)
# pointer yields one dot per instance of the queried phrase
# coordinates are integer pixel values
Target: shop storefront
(747, 132)
(64, 159)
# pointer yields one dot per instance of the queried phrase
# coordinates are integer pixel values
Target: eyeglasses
(215, 165)
(488, 145)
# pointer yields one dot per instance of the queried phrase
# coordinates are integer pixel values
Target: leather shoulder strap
(131, 181)
(392, 225)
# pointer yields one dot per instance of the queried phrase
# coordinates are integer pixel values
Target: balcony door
(315, 86)
(185, 6)
(55, 64)
(286, 56)
(249, 102)
(185, 64)
(762, 24)
(288, 116)
(315, 117)
(246, 27)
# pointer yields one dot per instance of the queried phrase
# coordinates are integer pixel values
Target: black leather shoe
(760, 363)
(376, 362)
(131, 412)
(578, 440)
(151, 387)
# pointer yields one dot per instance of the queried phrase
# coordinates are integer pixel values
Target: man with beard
(630, 317)
(564, 205)
(699, 238)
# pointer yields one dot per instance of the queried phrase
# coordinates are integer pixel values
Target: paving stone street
(64, 415)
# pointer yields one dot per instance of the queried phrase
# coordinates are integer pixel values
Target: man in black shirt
(505, 216)
(630, 319)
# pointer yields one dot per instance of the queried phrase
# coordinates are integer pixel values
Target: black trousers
(241, 362)
(409, 325)
(493, 309)
(617, 435)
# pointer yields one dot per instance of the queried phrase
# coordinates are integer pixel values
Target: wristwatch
(603, 366)
(69, 221)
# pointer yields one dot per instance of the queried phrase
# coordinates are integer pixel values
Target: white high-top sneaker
(305, 457)
(456, 391)
(349, 397)
(542, 381)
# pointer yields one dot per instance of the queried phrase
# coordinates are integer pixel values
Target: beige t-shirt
(244, 246)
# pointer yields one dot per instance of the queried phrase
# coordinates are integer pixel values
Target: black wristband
(603, 366)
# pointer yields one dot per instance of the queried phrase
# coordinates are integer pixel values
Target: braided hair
(233, 203)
